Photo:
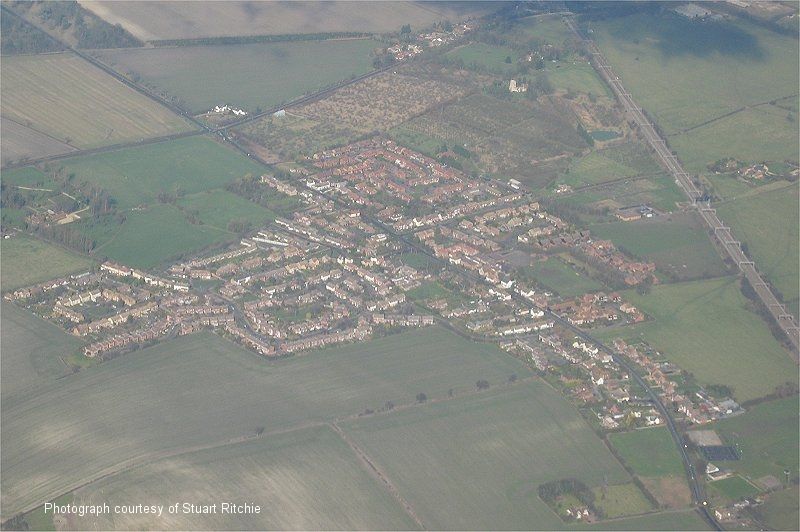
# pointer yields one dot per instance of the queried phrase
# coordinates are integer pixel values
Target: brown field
(63, 96)
(671, 492)
(372, 105)
(21, 142)
(183, 20)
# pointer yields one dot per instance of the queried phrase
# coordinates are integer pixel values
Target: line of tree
(87, 29)
(252, 39)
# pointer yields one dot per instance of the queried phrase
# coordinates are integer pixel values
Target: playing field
(477, 462)
(769, 223)
(767, 439)
(63, 96)
(202, 389)
(28, 260)
(265, 74)
(734, 488)
(31, 351)
(307, 479)
(179, 21)
(679, 245)
(134, 176)
(704, 327)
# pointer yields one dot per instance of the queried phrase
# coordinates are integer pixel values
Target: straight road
(785, 320)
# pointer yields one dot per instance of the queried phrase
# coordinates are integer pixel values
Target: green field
(734, 488)
(485, 57)
(136, 175)
(152, 236)
(250, 76)
(680, 520)
(562, 278)
(308, 479)
(201, 389)
(753, 135)
(217, 208)
(621, 500)
(686, 72)
(576, 76)
(616, 162)
(704, 327)
(32, 349)
(767, 439)
(477, 462)
(659, 192)
(781, 511)
(27, 260)
(649, 452)
(678, 245)
(769, 224)
(63, 96)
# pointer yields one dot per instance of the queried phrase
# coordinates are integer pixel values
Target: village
(336, 272)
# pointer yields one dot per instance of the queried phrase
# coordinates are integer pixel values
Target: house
(513, 86)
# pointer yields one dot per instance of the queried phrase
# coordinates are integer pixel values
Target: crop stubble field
(202, 389)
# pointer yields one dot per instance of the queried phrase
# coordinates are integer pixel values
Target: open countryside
(399, 265)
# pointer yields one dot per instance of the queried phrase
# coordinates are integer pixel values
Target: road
(785, 320)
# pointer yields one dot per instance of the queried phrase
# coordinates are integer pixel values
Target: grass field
(678, 245)
(136, 175)
(201, 389)
(673, 520)
(152, 236)
(621, 500)
(560, 277)
(767, 438)
(753, 135)
(477, 462)
(217, 208)
(485, 57)
(781, 511)
(27, 260)
(704, 327)
(31, 351)
(734, 488)
(265, 74)
(649, 452)
(179, 21)
(686, 72)
(768, 223)
(308, 479)
(74, 102)
(615, 162)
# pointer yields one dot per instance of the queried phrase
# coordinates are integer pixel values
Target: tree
(508, 59)
(512, 378)
(421, 397)
(405, 29)
(389, 405)
(482, 384)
